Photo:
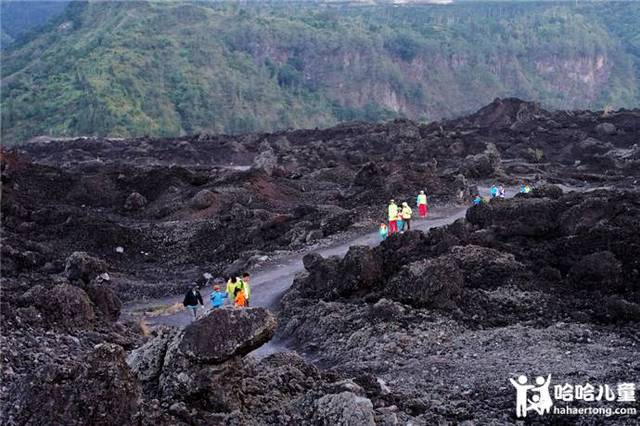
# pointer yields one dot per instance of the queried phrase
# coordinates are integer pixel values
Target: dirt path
(271, 282)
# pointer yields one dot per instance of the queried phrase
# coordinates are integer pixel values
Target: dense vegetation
(19, 17)
(166, 68)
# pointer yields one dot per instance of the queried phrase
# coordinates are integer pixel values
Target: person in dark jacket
(191, 300)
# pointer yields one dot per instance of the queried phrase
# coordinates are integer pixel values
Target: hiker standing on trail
(191, 300)
(422, 204)
(383, 231)
(240, 301)
(217, 297)
(232, 285)
(400, 221)
(501, 193)
(393, 217)
(494, 191)
(406, 215)
(477, 200)
(246, 286)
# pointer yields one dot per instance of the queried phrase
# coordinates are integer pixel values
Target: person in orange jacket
(240, 300)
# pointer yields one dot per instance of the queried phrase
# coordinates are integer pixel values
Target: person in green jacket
(232, 285)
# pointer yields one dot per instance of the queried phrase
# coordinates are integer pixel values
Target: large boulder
(430, 283)
(135, 201)
(147, 361)
(203, 199)
(81, 266)
(485, 267)
(344, 409)
(360, 269)
(483, 165)
(199, 362)
(323, 273)
(66, 305)
(528, 217)
(106, 301)
(590, 147)
(606, 129)
(226, 333)
(100, 390)
(597, 271)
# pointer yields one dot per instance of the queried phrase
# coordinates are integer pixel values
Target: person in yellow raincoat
(406, 216)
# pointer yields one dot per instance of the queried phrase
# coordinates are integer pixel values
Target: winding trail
(269, 283)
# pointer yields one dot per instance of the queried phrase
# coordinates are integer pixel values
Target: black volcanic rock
(225, 333)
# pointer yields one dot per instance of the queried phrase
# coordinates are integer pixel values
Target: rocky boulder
(226, 333)
(485, 267)
(66, 305)
(106, 301)
(547, 191)
(147, 361)
(483, 165)
(528, 217)
(135, 201)
(606, 129)
(101, 390)
(360, 269)
(597, 271)
(590, 147)
(203, 199)
(81, 266)
(196, 364)
(428, 283)
(345, 409)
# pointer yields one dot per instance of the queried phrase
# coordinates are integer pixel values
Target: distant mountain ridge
(175, 68)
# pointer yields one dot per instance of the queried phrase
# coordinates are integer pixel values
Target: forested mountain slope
(166, 69)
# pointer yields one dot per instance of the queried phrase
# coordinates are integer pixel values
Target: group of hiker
(237, 293)
(400, 216)
(497, 191)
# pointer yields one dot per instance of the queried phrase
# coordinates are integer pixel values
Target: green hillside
(19, 17)
(167, 68)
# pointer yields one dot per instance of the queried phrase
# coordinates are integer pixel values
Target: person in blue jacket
(217, 297)
(477, 200)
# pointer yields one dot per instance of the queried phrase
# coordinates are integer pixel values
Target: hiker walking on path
(494, 191)
(383, 231)
(422, 204)
(246, 287)
(406, 215)
(217, 297)
(393, 217)
(191, 300)
(239, 301)
(232, 285)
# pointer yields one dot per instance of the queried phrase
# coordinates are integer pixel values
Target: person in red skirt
(422, 204)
